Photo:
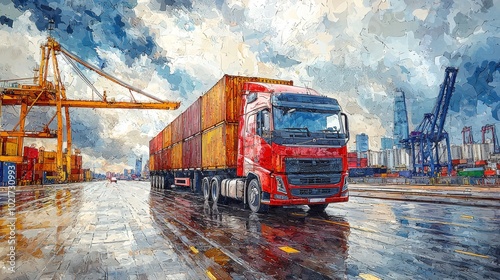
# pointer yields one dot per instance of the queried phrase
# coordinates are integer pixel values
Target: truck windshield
(286, 118)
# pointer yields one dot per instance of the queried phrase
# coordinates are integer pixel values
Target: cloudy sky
(358, 51)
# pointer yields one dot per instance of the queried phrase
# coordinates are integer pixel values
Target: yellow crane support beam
(28, 134)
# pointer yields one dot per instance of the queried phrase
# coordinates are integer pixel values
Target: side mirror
(346, 122)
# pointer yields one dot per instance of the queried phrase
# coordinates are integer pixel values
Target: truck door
(257, 142)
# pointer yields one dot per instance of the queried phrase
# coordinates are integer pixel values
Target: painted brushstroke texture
(357, 51)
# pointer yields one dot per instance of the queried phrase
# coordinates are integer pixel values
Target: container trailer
(262, 141)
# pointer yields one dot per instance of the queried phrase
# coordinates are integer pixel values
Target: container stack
(26, 169)
(76, 169)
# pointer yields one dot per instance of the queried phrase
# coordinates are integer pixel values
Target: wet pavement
(102, 230)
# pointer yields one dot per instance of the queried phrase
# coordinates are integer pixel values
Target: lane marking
(467, 217)
(194, 249)
(345, 225)
(472, 254)
(289, 250)
(210, 275)
(367, 276)
(434, 222)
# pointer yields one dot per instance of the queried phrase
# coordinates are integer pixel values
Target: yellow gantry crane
(53, 94)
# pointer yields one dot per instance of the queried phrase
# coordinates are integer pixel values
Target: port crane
(467, 137)
(52, 93)
(487, 128)
(429, 142)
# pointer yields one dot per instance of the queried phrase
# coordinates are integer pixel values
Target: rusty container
(176, 157)
(151, 146)
(168, 158)
(191, 119)
(177, 130)
(158, 161)
(219, 146)
(151, 161)
(223, 101)
(159, 142)
(191, 152)
(167, 136)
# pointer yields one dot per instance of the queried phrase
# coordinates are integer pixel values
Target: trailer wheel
(215, 188)
(317, 208)
(254, 195)
(205, 185)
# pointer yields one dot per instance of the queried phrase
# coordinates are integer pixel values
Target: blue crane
(429, 142)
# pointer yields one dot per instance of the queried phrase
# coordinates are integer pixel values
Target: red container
(177, 130)
(168, 159)
(30, 153)
(481, 163)
(352, 155)
(191, 118)
(151, 146)
(157, 159)
(191, 152)
(363, 162)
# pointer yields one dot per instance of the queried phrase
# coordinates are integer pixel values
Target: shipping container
(222, 102)
(9, 174)
(151, 160)
(30, 153)
(167, 159)
(167, 136)
(177, 128)
(192, 116)
(176, 156)
(219, 146)
(191, 152)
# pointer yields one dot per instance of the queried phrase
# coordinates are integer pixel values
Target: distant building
(362, 143)
(401, 130)
(387, 143)
(138, 166)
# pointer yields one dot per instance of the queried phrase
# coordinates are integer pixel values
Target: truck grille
(316, 179)
(305, 165)
(309, 192)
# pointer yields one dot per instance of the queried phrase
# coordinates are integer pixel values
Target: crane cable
(79, 73)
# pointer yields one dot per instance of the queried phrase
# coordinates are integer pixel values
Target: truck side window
(263, 124)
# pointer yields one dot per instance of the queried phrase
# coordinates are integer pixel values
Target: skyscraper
(138, 166)
(401, 130)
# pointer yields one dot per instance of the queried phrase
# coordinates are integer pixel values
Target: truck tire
(215, 188)
(254, 195)
(317, 208)
(205, 186)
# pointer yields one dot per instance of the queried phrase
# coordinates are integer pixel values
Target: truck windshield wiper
(299, 129)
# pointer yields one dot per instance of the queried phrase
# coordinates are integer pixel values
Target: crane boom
(53, 94)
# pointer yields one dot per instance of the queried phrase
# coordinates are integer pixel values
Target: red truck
(262, 141)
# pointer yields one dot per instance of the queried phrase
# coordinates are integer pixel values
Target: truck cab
(291, 147)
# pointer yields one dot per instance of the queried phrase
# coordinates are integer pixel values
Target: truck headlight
(346, 185)
(280, 185)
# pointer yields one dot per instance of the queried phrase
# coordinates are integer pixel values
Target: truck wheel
(254, 194)
(317, 208)
(205, 185)
(215, 188)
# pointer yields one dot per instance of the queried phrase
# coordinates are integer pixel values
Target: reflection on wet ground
(94, 232)
(122, 231)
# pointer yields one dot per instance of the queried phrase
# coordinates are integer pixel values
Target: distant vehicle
(113, 180)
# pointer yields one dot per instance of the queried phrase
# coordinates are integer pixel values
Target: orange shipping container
(219, 146)
(152, 162)
(176, 156)
(167, 136)
(177, 130)
(222, 102)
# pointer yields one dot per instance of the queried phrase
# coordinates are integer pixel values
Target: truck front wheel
(254, 195)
